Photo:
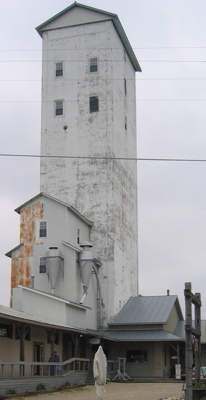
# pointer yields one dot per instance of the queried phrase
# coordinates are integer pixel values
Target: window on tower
(125, 87)
(42, 265)
(78, 235)
(59, 107)
(93, 64)
(125, 123)
(43, 229)
(59, 69)
(93, 104)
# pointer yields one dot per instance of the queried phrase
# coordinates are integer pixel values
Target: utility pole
(191, 333)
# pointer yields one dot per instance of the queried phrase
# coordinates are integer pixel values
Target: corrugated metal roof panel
(139, 335)
(146, 310)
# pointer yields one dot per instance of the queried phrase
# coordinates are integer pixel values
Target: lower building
(57, 305)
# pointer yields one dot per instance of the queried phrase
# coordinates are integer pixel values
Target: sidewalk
(117, 391)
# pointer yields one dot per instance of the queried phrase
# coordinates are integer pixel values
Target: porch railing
(112, 366)
(21, 369)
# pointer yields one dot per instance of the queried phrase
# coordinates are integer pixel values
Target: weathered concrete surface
(117, 391)
(100, 178)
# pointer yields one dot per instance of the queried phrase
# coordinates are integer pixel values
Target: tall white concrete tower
(89, 137)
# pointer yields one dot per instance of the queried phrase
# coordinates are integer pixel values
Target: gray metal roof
(9, 253)
(147, 310)
(93, 15)
(72, 209)
(149, 335)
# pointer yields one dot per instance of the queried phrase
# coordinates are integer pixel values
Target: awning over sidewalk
(140, 335)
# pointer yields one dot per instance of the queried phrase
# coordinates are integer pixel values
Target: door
(38, 356)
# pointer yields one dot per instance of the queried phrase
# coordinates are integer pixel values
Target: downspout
(99, 318)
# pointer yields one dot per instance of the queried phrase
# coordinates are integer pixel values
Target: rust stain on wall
(20, 263)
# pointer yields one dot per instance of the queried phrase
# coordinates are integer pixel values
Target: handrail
(42, 368)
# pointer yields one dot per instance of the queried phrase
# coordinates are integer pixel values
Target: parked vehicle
(202, 374)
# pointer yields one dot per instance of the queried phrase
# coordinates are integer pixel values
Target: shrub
(40, 387)
(11, 391)
(65, 385)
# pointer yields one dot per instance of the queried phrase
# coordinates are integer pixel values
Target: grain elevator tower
(88, 136)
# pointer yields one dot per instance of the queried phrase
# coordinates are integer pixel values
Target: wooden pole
(188, 345)
(191, 333)
(197, 346)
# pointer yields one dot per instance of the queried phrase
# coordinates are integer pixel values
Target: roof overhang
(11, 315)
(140, 336)
(105, 16)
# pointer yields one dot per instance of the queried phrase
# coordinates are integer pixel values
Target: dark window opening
(78, 235)
(93, 104)
(125, 87)
(6, 330)
(59, 69)
(93, 64)
(137, 356)
(43, 229)
(125, 123)
(42, 265)
(58, 107)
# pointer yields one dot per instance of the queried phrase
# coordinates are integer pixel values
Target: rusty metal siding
(62, 228)
(20, 264)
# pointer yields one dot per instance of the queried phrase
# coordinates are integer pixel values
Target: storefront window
(138, 356)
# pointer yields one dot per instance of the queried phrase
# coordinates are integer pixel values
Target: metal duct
(86, 264)
(53, 264)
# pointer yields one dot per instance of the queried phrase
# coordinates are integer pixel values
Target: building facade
(46, 274)
(89, 127)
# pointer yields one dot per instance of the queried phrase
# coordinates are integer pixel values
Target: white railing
(21, 369)
(112, 366)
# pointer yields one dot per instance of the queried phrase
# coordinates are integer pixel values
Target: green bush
(40, 387)
(11, 391)
(65, 385)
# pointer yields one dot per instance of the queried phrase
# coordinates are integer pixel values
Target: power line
(109, 79)
(104, 158)
(102, 60)
(105, 48)
(106, 101)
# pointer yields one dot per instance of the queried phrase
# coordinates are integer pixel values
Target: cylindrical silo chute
(86, 261)
(53, 265)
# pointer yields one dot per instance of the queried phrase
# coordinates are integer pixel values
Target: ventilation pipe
(86, 261)
(53, 264)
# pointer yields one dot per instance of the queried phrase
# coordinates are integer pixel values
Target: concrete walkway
(117, 391)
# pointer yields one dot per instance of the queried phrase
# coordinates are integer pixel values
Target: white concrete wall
(105, 191)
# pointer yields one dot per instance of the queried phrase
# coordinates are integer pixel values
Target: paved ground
(117, 391)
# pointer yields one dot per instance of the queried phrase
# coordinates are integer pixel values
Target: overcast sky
(169, 40)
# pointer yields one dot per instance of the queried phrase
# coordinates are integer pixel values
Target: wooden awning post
(191, 332)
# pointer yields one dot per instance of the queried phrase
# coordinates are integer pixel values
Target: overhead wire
(103, 157)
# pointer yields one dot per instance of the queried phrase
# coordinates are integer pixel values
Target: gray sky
(169, 40)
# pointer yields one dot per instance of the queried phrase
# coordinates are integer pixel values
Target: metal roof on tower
(79, 14)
